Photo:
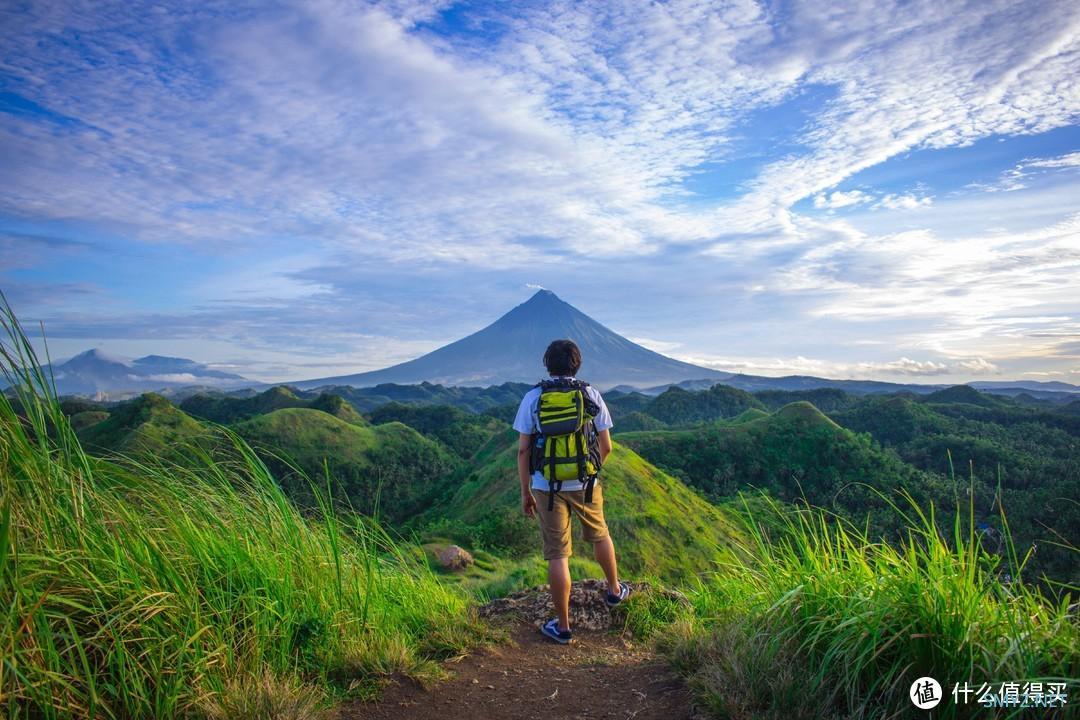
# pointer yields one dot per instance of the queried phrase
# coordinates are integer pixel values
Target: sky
(883, 190)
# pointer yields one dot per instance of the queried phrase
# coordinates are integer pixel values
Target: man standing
(554, 500)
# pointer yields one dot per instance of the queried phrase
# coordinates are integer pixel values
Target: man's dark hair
(562, 357)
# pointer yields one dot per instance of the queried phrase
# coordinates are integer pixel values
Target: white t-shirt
(527, 422)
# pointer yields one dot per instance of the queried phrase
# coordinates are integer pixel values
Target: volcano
(511, 349)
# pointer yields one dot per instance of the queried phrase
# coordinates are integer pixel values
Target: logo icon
(925, 693)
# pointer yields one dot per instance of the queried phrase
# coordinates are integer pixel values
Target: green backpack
(567, 447)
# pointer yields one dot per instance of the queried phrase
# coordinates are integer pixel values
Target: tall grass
(818, 621)
(157, 589)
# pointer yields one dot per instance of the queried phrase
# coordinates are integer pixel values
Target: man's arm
(528, 502)
(604, 436)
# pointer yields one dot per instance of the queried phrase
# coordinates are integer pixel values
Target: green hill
(676, 406)
(149, 423)
(1033, 453)
(225, 409)
(796, 451)
(339, 407)
(660, 526)
(390, 466)
(747, 416)
(463, 432)
(622, 404)
(962, 394)
(86, 418)
(824, 399)
(473, 399)
(892, 420)
(637, 420)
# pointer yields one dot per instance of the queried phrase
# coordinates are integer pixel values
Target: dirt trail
(600, 675)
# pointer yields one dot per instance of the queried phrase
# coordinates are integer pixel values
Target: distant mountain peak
(98, 373)
(511, 349)
(99, 355)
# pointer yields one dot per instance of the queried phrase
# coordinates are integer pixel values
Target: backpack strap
(554, 486)
(589, 483)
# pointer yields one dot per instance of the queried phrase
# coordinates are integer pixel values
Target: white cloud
(839, 199)
(904, 202)
(348, 125)
(862, 370)
(660, 346)
(1063, 161)
(890, 201)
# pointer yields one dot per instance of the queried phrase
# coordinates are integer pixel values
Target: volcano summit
(511, 348)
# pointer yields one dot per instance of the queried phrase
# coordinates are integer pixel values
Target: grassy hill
(472, 399)
(86, 418)
(676, 406)
(461, 431)
(149, 423)
(339, 407)
(197, 590)
(1024, 459)
(794, 452)
(227, 409)
(389, 466)
(660, 526)
(963, 394)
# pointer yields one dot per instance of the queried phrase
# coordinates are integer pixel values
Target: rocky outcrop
(588, 610)
(454, 557)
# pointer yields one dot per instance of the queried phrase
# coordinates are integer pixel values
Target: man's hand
(528, 505)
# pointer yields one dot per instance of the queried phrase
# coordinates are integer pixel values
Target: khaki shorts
(555, 525)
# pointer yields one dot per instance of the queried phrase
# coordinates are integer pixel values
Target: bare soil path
(600, 676)
(603, 675)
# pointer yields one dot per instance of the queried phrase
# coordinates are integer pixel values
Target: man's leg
(595, 530)
(555, 528)
(605, 556)
(559, 580)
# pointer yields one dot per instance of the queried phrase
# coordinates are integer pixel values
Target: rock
(453, 557)
(588, 610)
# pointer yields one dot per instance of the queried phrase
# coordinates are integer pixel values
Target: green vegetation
(149, 424)
(193, 569)
(388, 468)
(824, 399)
(678, 406)
(795, 453)
(463, 432)
(83, 420)
(225, 409)
(1026, 459)
(161, 590)
(472, 399)
(661, 527)
(493, 575)
(819, 620)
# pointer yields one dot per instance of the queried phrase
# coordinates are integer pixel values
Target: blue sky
(881, 190)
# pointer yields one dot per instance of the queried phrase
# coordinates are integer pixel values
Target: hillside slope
(390, 467)
(659, 525)
(149, 423)
(794, 452)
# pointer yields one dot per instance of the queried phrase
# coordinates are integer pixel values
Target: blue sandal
(613, 599)
(551, 629)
